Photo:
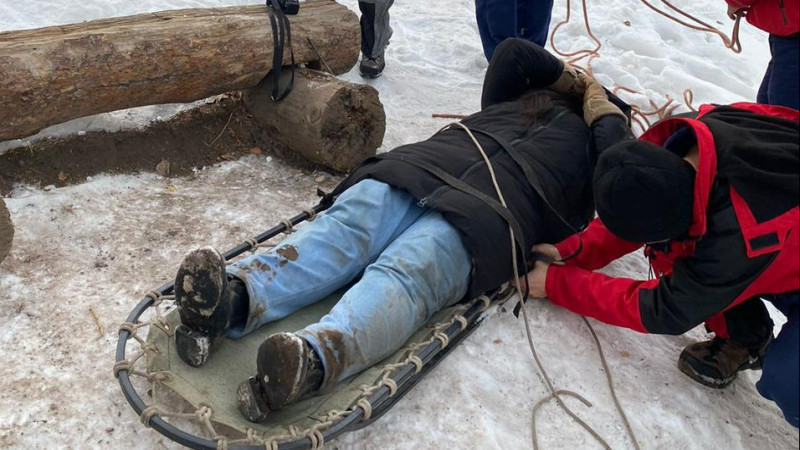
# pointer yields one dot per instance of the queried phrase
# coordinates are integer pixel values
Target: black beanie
(644, 193)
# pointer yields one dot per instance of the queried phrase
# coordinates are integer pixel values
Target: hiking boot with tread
(716, 363)
(288, 370)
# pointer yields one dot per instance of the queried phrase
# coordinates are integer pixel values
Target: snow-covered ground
(104, 243)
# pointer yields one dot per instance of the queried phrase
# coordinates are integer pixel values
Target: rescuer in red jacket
(714, 202)
(779, 18)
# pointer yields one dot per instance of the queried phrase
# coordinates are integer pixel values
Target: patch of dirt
(6, 231)
(211, 133)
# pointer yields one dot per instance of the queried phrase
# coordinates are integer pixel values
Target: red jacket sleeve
(719, 275)
(614, 301)
(600, 247)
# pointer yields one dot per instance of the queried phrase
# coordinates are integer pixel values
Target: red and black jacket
(743, 239)
(778, 17)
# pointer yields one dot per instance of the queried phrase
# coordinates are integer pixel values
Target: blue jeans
(411, 261)
(781, 86)
(780, 381)
(499, 20)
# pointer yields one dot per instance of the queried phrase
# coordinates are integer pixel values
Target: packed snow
(102, 244)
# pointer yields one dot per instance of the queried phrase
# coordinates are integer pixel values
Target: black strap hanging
(281, 35)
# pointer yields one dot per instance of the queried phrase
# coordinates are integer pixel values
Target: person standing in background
(780, 19)
(375, 35)
(499, 20)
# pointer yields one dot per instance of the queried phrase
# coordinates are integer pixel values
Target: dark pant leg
(367, 27)
(784, 86)
(495, 23)
(533, 20)
(375, 27)
(763, 90)
(747, 323)
(516, 67)
(780, 379)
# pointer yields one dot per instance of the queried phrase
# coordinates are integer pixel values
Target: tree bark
(6, 231)
(51, 75)
(328, 121)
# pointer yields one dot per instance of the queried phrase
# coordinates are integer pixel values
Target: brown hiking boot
(288, 370)
(717, 362)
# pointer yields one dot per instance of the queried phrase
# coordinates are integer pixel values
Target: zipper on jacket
(783, 12)
(423, 201)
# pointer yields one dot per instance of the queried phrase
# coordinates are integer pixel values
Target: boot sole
(192, 346)
(714, 383)
(370, 76)
(251, 401)
(200, 287)
(282, 368)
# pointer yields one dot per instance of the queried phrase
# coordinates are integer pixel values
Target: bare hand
(549, 251)
(537, 280)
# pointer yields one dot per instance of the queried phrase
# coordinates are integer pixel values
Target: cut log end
(6, 231)
(327, 121)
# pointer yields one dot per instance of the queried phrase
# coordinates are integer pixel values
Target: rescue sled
(197, 407)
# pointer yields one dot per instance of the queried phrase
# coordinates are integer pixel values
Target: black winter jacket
(559, 152)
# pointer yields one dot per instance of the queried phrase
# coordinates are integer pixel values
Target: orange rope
(574, 57)
(732, 42)
(639, 116)
(449, 116)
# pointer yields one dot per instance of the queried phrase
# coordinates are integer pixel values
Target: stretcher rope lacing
(317, 438)
(462, 320)
(148, 414)
(392, 385)
(443, 338)
(486, 302)
(366, 406)
(414, 359)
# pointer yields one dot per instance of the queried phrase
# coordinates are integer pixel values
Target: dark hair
(540, 102)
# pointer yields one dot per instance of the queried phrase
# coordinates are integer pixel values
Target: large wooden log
(329, 122)
(51, 75)
(6, 231)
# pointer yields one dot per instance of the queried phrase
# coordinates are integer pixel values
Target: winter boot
(372, 67)
(717, 362)
(288, 369)
(208, 303)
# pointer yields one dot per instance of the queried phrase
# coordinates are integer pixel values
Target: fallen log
(329, 122)
(51, 75)
(6, 231)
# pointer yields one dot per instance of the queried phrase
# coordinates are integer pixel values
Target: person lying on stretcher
(420, 228)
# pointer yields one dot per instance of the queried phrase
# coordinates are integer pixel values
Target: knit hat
(644, 193)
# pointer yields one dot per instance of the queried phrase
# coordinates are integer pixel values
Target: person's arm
(610, 130)
(597, 246)
(516, 67)
(698, 288)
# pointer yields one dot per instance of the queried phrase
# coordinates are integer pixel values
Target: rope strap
(366, 406)
(148, 414)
